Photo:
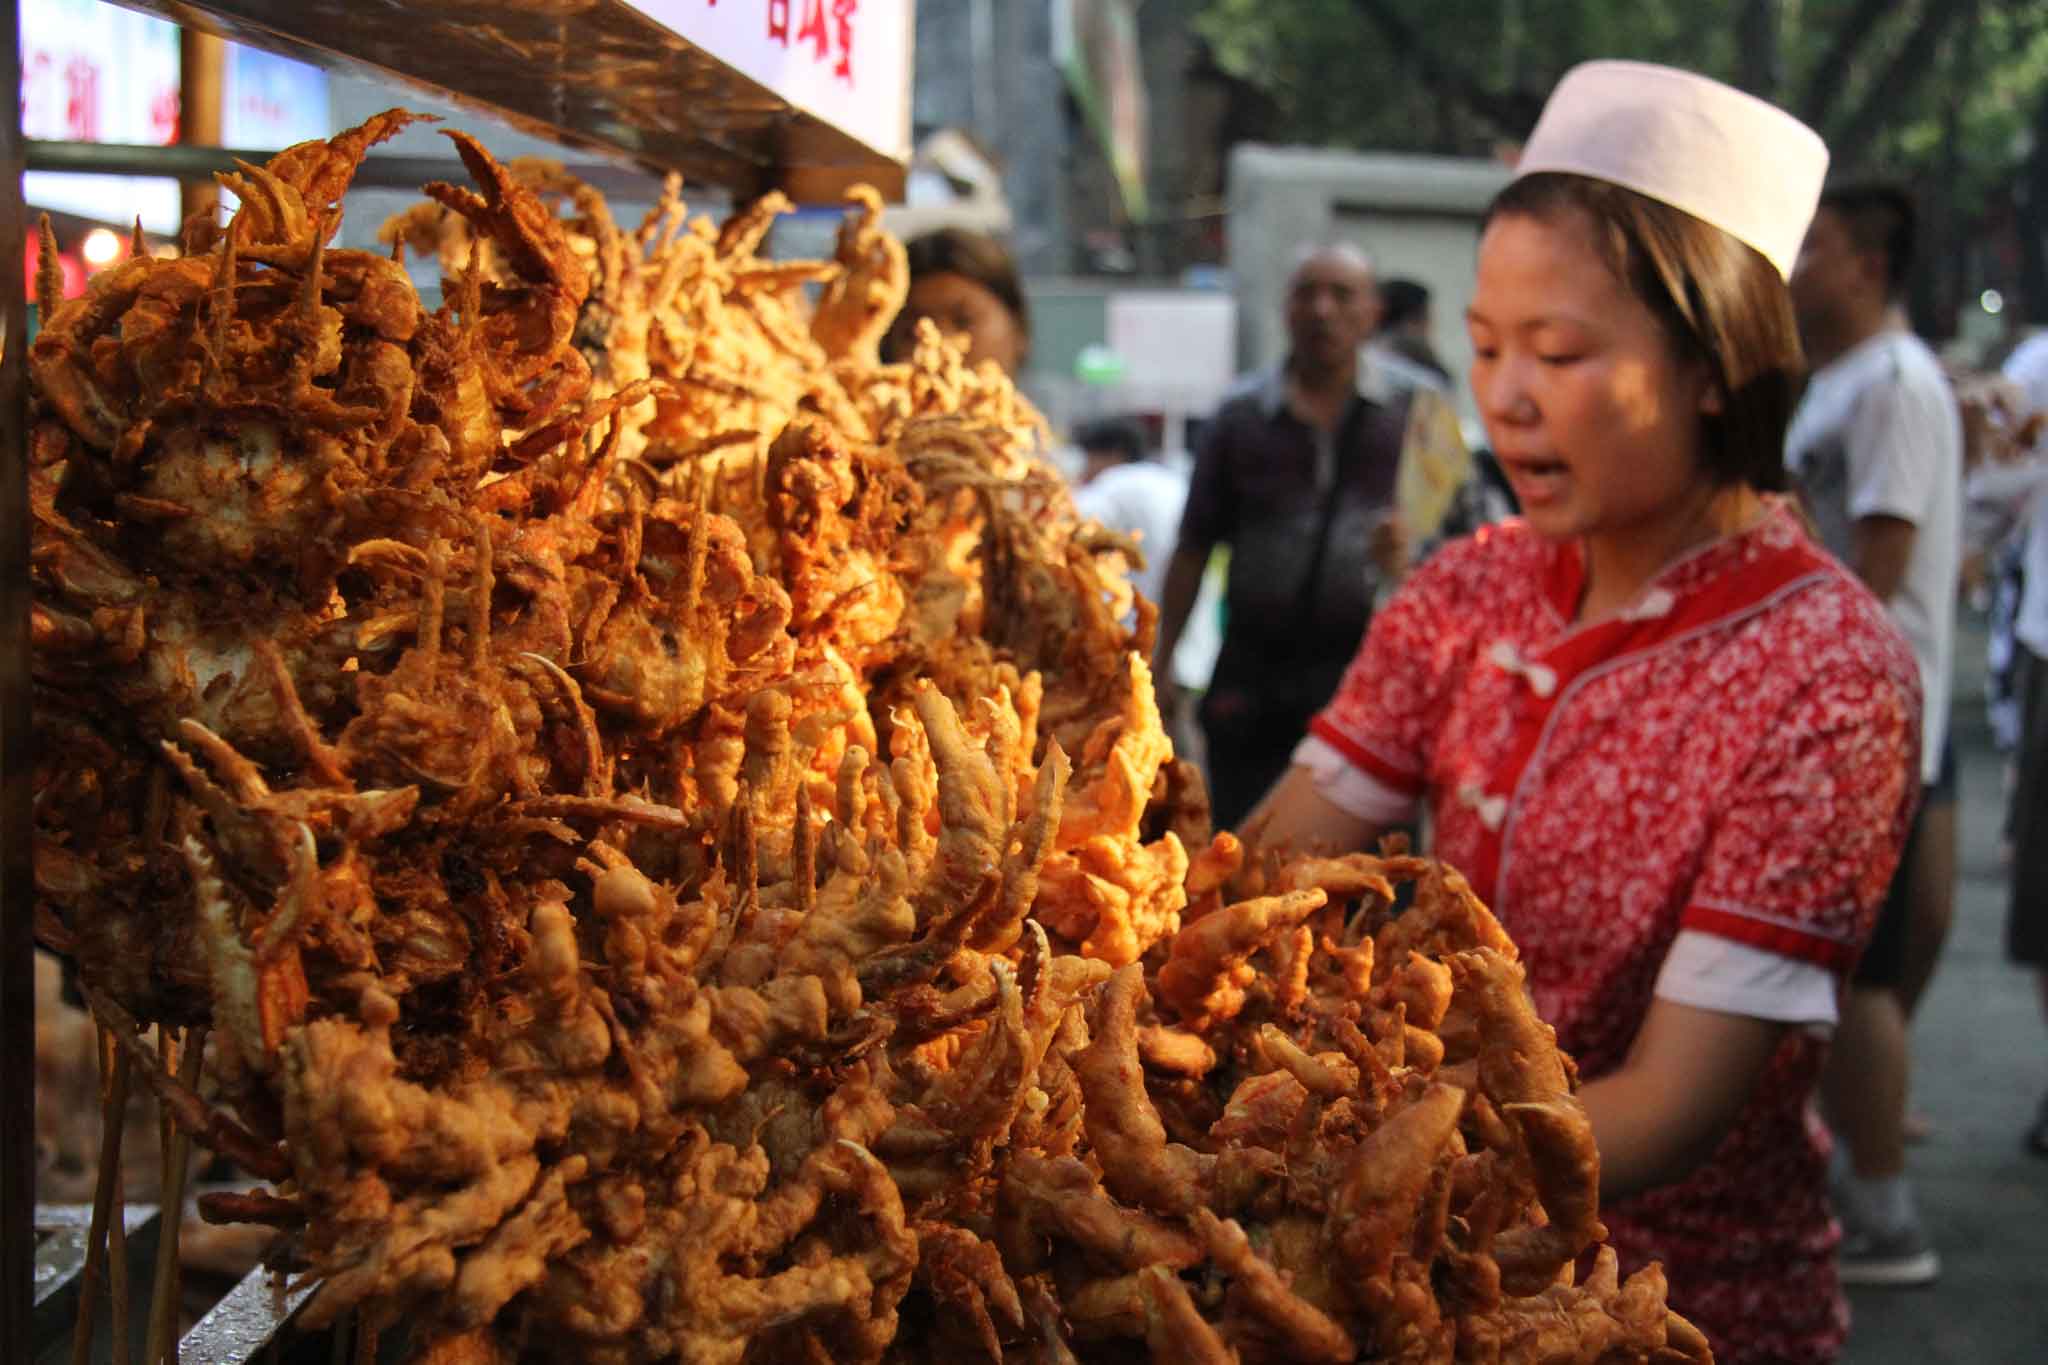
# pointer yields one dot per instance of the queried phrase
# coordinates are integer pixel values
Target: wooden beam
(202, 75)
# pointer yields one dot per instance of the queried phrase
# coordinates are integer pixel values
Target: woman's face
(961, 308)
(1593, 417)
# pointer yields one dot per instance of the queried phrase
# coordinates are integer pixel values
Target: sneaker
(1898, 1259)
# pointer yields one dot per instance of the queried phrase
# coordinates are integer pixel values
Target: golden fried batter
(675, 847)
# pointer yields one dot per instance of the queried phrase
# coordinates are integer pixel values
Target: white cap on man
(1723, 156)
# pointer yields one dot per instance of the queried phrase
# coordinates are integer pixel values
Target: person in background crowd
(1877, 447)
(967, 283)
(1666, 736)
(1998, 430)
(1482, 500)
(1295, 474)
(1402, 347)
(1404, 353)
(1127, 492)
(2022, 487)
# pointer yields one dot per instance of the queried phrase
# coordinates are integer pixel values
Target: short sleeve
(1208, 516)
(1892, 442)
(1804, 847)
(1709, 972)
(2028, 367)
(1390, 706)
(1350, 788)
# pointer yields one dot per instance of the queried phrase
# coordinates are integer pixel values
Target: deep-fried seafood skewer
(113, 1122)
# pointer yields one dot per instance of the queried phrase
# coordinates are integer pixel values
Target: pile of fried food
(668, 849)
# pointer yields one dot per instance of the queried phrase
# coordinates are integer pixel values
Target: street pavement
(1980, 1055)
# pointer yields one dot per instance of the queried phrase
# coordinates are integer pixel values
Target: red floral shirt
(1732, 755)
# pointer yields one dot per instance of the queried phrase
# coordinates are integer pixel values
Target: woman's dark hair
(1118, 436)
(1721, 303)
(1879, 216)
(975, 256)
(1402, 301)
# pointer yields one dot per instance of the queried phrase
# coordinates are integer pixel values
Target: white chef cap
(1725, 157)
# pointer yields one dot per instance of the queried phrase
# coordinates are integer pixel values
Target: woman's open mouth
(1537, 481)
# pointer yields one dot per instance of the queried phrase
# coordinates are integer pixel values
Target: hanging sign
(844, 61)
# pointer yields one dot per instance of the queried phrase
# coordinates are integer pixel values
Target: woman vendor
(1668, 738)
(967, 282)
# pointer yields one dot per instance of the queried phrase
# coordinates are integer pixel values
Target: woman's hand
(1295, 817)
(1686, 1080)
(1391, 547)
(1997, 423)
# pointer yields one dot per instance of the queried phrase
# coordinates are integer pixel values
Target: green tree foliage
(1949, 95)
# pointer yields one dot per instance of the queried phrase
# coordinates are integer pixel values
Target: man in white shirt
(1876, 449)
(1127, 492)
(1141, 497)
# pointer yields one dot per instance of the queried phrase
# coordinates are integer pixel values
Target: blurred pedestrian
(1877, 449)
(1126, 491)
(1403, 347)
(2023, 487)
(1296, 475)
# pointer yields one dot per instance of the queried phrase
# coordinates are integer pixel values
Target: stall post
(17, 896)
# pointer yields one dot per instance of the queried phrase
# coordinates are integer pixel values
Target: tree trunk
(1762, 56)
(1824, 84)
(1938, 283)
(2031, 213)
(1895, 85)
(1506, 113)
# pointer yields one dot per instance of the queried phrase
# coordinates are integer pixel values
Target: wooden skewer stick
(105, 1190)
(368, 1329)
(117, 1257)
(163, 1303)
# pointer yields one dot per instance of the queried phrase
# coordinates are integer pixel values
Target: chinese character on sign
(813, 30)
(778, 21)
(842, 15)
(81, 99)
(163, 115)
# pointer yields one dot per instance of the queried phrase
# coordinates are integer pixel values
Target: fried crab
(663, 839)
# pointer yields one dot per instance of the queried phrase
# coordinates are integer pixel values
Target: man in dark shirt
(1296, 474)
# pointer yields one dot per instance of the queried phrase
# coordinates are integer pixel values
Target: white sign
(1175, 340)
(844, 61)
(270, 102)
(91, 72)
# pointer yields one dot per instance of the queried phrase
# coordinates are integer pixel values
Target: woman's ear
(1713, 396)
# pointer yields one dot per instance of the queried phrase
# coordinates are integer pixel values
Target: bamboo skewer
(367, 1331)
(106, 1203)
(117, 1257)
(168, 1056)
(163, 1304)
